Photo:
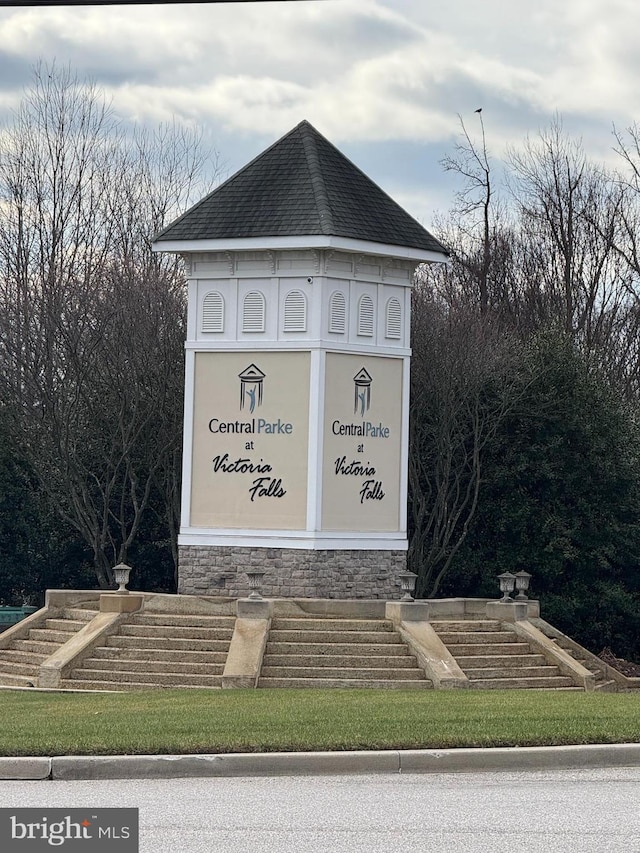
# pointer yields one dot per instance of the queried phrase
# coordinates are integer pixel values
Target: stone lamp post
(408, 585)
(522, 585)
(255, 583)
(121, 573)
(507, 585)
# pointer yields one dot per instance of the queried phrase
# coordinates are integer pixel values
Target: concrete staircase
(493, 656)
(155, 650)
(19, 664)
(181, 641)
(338, 652)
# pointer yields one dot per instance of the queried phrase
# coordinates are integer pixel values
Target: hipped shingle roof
(301, 185)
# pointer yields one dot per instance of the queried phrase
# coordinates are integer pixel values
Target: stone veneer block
(290, 572)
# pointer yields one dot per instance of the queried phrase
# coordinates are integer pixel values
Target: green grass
(185, 721)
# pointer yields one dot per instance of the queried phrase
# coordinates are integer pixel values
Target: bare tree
(473, 209)
(462, 387)
(92, 323)
(575, 222)
(562, 257)
(628, 148)
(569, 210)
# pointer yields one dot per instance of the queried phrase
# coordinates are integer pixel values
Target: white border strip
(187, 437)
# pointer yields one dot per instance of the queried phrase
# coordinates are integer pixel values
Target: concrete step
(176, 620)
(493, 649)
(354, 683)
(598, 675)
(507, 661)
(101, 686)
(70, 625)
(80, 614)
(351, 661)
(44, 648)
(142, 664)
(120, 687)
(8, 667)
(607, 686)
(338, 672)
(546, 682)
(163, 679)
(475, 673)
(57, 636)
(338, 648)
(17, 656)
(456, 638)
(170, 655)
(172, 632)
(331, 652)
(327, 624)
(15, 680)
(159, 644)
(315, 636)
(454, 625)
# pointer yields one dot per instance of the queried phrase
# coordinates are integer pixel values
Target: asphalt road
(566, 811)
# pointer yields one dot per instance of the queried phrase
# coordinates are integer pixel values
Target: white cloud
(360, 70)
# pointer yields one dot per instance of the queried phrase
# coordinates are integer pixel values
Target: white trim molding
(330, 541)
(319, 241)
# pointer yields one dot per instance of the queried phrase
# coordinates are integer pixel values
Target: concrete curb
(25, 768)
(520, 758)
(237, 764)
(512, 759)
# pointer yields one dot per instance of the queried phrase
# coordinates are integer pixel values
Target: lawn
(201, 721)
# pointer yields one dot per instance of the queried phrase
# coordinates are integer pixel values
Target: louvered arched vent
(393, 319)
(213, 313)
(253, 311)
(295, 312)
(337, 313)
(365, 316)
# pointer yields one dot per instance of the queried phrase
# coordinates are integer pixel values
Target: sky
(387, 81)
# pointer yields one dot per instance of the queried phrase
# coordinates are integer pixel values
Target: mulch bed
(628, 668)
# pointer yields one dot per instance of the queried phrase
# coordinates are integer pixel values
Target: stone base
(290, 572)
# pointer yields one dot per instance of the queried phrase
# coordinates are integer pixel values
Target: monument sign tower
(297, 377)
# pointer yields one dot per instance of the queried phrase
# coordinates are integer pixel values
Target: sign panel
(362, 443)
(250, 440)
